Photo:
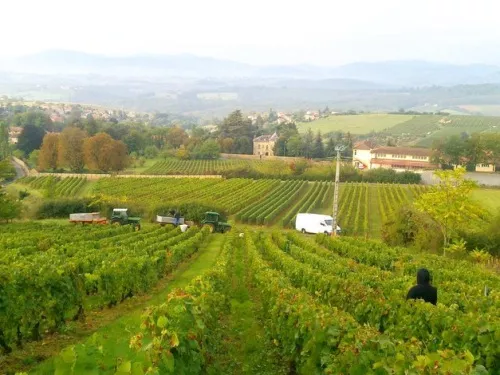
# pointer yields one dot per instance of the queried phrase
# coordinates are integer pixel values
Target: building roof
(267, 138)
(414, 151)
(364, 145)
(404, 163)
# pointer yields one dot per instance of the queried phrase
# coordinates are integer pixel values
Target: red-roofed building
(365, 156)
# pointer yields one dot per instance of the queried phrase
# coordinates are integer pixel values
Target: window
(485, 165)
(419, 157)
(380, 156)
(399, 156)
(355, 152)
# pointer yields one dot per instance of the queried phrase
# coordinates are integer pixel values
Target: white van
(314, 223)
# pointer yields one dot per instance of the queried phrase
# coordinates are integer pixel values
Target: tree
(9, 208)
(449, 202)
(105, 154)
(7, 170)
(33, 158)
(30, 139)
(91, 126)
(259, 122)
(227, 145)
(307, 140)
(49, 153)
(4, 140)
(294, 146)
(33, 118)
(207, 150)
(135, 141)
(318, 147)
(240, 130)
(176, 137)
(330, 148)
(280, 147)
(151, 152)
(273, 116)
(71, 153)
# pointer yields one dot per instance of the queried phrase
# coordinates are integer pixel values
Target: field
(55, 187)
(363, 207)
(356, 124)
(418, 130)
(267, 302)
(425, 129)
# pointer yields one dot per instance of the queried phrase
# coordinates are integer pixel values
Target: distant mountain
(419, 73)
(387, 73)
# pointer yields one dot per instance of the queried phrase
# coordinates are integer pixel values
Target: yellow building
(264, 145)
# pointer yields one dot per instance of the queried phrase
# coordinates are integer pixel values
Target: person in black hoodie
(423, 290)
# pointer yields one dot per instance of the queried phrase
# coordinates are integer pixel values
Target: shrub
(410, 227)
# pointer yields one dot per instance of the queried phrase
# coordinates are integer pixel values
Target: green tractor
(120, 217)
(216, 222)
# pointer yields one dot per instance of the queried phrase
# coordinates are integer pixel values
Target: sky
(262, 32)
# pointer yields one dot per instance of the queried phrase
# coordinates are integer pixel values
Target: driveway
(486, 179)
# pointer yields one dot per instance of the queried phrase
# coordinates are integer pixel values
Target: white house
(365, 156)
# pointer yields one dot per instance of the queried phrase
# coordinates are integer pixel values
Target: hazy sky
(259, 31)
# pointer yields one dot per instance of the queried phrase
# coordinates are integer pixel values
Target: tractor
(216, 222)
(120, 217)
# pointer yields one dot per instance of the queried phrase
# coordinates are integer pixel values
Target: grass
(139, 170)
(489, 198)
(356, 124)
(112, 328)
(245, 348)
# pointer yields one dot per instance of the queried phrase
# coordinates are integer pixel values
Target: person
(177, 217)
(423, 290)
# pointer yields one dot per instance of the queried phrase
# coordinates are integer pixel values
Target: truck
(314, 223)
(216, 222)
(120, 217)
(87, 218)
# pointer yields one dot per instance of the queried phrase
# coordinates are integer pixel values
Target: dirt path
(113, 327)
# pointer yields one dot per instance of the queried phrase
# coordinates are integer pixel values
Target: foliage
(7, 170)
(33, 158)
(240, 130)
(209, 149)
(4, 140)
(391, 176)
(62, 271)
(9, 208)
(49, 152)
(104, 153)
(31, 138)
(411, 228)
(449, 203)
(151, 152)
(71, 153)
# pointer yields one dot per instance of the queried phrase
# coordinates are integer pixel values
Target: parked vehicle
(216, 222)
(87, 218)
(120, 217)
(314, 223)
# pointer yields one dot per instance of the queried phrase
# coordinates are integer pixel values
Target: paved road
(19, 169)
(487, 179)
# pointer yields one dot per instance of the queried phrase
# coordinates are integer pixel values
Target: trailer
(87, 218)
(164, 220)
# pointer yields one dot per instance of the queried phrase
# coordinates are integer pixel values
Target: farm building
(365, 156)
(264, 145)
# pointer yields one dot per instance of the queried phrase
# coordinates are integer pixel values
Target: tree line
(467, 150)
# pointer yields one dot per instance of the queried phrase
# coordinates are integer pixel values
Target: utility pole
(339, 149)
